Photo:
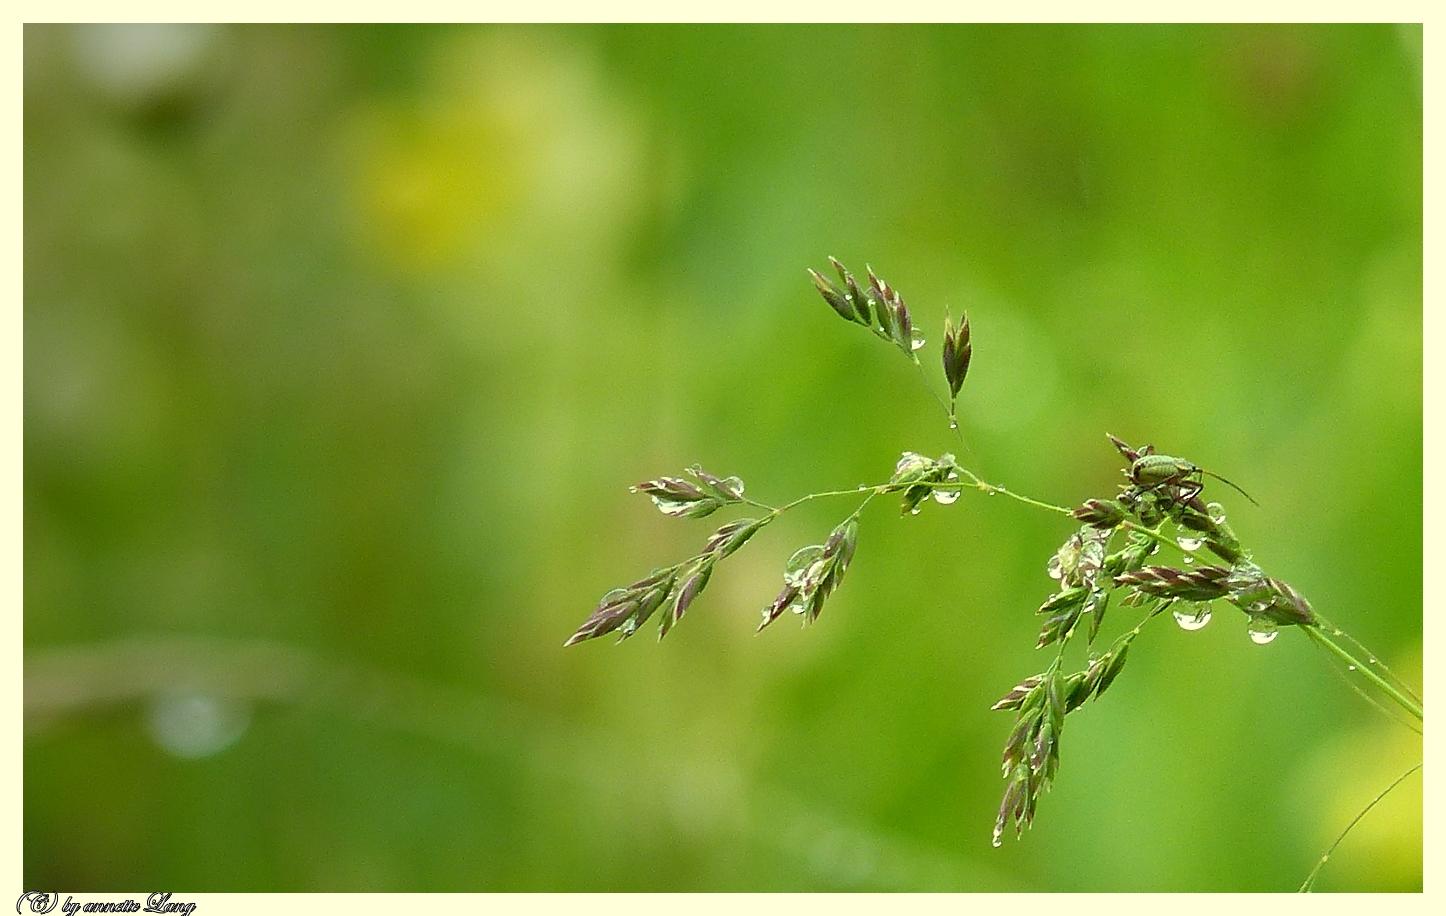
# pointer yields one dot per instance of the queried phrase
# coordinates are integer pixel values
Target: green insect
(1150, 471)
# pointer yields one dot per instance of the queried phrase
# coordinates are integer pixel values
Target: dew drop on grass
(948, 497)
(671, 506)
(1189, 543)
(917, 343)
(1192, 615)
(914, 511)
(1262, 631)
(953, 424)
(1350, 667)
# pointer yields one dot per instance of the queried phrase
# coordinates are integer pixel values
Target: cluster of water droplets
(1055, 568)
(804, 572)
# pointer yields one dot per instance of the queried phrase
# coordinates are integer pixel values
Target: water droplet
(998, 840)
(1370, 661)
(946, 497)
(1189, 543)
(1192, 615)
(953, 424)
(914, 511)
(801, 565)
(1350, 667)
(1216, 513)
(632, 489)
(671, 506)
(1189, 559)
(1262, 630)
(917, 343)
(863, 487)
(192, 725)
(1259, 607)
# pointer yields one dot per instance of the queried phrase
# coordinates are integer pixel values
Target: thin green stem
(867, 499)
(992, 488)
(874, 491)
(1319, 635)
(1388, 712)
(1310, 879)
(1371, 658)
(925, 379)
(1153, 534)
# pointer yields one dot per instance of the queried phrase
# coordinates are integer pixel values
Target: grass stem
(1320, 637)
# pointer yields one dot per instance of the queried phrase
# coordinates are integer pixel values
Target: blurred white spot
(848, 857)
(192, 725)
(136, 61)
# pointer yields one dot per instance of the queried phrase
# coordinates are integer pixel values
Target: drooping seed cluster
(880, 309)
(675, 496)
(810, 576)
(1031, 753)
(812, 573)
(673, 589)
(1158, 488)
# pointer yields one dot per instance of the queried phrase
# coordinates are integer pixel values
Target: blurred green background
(344, 344)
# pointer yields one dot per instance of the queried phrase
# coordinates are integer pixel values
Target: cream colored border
(1434, 381)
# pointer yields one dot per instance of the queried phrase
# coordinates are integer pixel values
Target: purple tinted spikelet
(1203, 584)
(877, 306)
(834, 296)
(1100, 513)
(957, 352)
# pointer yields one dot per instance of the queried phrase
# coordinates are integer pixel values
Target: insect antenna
(1231, 485)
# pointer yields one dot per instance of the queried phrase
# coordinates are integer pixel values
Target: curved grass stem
(1310, 879)
(1319, 636)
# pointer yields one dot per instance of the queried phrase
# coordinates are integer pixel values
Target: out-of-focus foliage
(343, 345)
